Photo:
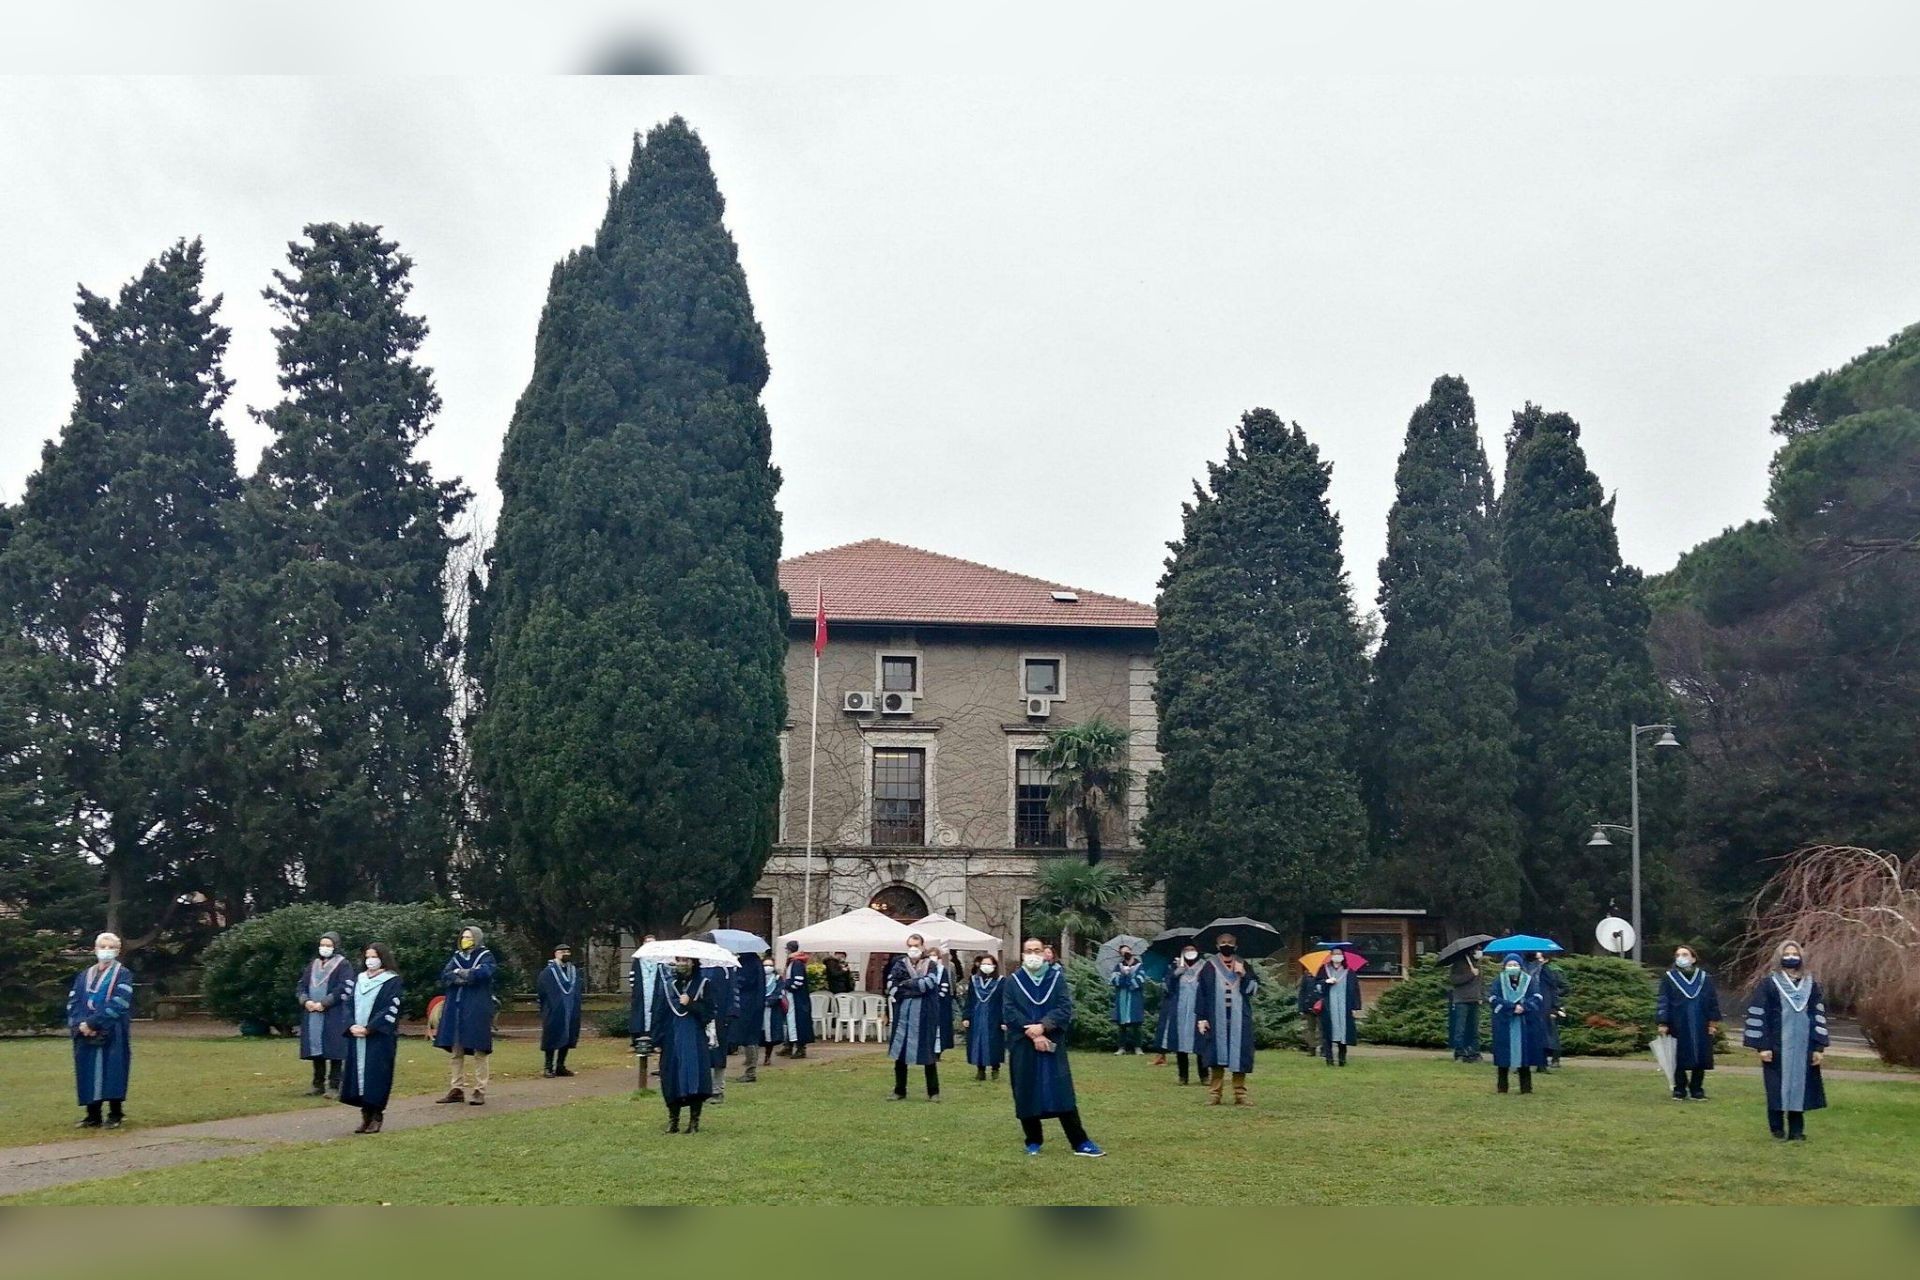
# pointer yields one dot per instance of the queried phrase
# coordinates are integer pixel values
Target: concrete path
(136, 1150)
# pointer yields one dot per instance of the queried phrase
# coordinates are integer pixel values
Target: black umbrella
(1255, 938)
(1169, 941)
(1459, 945)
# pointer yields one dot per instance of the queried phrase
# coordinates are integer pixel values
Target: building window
(1382, 951)
(1034, 825)
(899, 795)
(1042, 677)
(899, 673)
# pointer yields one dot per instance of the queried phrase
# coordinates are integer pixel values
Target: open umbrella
(1108, 957)
(1255, 938)
(1461, 945)
(1666, 1056)
(1521, 942)
(706, 954)
(738, 941)
(1162, 948)
(1312, 961)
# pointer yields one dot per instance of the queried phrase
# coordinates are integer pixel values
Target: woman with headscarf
(466, 1019)
(99, 1018)
(914, 985)
(1178, 1032)
(1689, 1011)
(1787, 1024)
(322, 992)
(683, 1034)
(985, 1022)
(1339, 1003)
(1519, 1025)
(373, 1004)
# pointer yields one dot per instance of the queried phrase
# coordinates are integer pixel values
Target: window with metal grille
(1034, 825)
(899, 795)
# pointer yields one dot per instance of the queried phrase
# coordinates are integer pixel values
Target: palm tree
(1077, 899)
(1088, 777)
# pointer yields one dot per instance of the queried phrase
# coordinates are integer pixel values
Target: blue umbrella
(1520, 942)
(738, 941)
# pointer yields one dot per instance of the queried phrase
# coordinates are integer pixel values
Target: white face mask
(986, 968)
(373, 962)
(1034, 961)
(1189, 956)
(106, 955)
(326, 951)
(913, 953)
(1685, 962)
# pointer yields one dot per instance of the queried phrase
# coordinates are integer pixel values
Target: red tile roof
(876, 581)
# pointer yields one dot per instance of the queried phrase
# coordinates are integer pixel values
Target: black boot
(1500, 1080)
(673, 1119)
(1796, 1126)
(560, 1063)
(979, 1074)
(91, 1120)
(114, 1115)
(546, 1068)
(693, 1120)
(1777, 1124)
(1526, 1080)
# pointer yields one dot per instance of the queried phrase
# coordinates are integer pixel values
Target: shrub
(617, 1023)
(252, 968)
(1609, 1008)
(34, 973)
(1276, 1023)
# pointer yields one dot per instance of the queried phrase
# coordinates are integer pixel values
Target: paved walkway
(134, 1150)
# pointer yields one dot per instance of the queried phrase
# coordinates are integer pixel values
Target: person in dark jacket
(1466, 992)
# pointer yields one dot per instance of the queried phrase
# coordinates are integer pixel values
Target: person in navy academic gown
(1552, 985)
(753, 986)
(466, 1019)
(723, 991)
(99, 1018)
(795, 1026)
(641, 981)
(684, 1009)
(945, 1000)
(983, 1023)
(913, 984)
(1227, 987)
(1038, 1008)
(373, 1006)
(321, 995)
(559, 995)
(1180, 1013)
(1129, 983)
(1689, 1011)
(1787, 1025)
(1519, 1025)
(1339, 997)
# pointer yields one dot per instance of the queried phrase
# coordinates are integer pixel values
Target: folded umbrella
(1255, 938)
(706, 954)
(738, 941)
(1461, 945)
(1521, 942)
(1108, 957)
(1666, 1056)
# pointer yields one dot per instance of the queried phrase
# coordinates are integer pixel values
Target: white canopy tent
(862, 930)
(951, 933)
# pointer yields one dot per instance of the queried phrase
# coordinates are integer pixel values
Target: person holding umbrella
(1129, 1000)
(984, 1025)
(1689, 1011)
(1039, 1013)
(1339, 1003)
(1787, 1026)
(1466, 992)
(559, 995)
(683, 1014)
(1519, 1025)
(1225, 996)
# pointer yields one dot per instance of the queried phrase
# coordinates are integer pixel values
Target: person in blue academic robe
(466, 1019)
(373, 1005)
(1227, 987)
(100, 1018)
(913, 984)
(746, 1025)
(642, 978)
(1339, 997)
(559, 995)
(946, 1001)
(1129, 983)
(983, 1023)
(1519, 1025)
(1552, 985)
(321, 996)
(1306, 999)
(723, 990)
(1038, 1007)
(795, 1027)
(1178, 1033)
(1689, 1010)
(683, 1021)
(1787, 1025)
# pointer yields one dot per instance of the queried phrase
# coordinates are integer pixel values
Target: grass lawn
(1383, 1131)
(178, 1079)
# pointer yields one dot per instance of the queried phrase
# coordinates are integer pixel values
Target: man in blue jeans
(1465, 994)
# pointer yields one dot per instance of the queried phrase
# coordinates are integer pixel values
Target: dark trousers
(1463, 1031)
(693, 1106)
(1069, 1122)
(900, 1079)
(1130, 1037)
(556, 1059)
(1327, 1051)
(1526, 1080)
(113, 1109)
(1183, 1061)
(1690, 1081)
(326, 1073)
(1795, 1123)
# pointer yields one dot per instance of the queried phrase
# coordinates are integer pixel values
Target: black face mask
(1790, 962)
(1228, 951)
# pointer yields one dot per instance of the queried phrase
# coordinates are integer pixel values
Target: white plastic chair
(846, 1017)
(873, 1014)
(822, 1006)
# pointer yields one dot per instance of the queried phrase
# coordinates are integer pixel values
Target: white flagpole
(813, 747)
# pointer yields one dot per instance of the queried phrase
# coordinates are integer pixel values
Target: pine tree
(106, 581)
(1440, 764)
(343, 782)
(1582, 673)
(631, 635)
(44, 884)
(1261, 672)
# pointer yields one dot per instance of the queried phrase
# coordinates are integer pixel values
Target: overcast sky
(1012, 320)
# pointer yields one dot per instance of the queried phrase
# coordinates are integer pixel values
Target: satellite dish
(1615, 934)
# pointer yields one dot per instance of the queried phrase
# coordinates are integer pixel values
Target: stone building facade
(939, 679)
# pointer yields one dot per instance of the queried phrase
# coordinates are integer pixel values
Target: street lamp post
(1600, 829)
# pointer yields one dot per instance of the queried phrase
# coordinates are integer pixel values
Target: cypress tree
(1582, 673)
(1440, 765)
(343, 778)
(106, 580)
(630, 638)
(1261, 675)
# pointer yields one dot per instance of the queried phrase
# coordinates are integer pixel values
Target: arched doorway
(904, 904)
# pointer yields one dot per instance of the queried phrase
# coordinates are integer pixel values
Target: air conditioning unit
(1039, 708)
(896, 704)
(857, 703)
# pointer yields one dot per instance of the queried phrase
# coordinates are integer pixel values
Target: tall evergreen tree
(106, 581)
(1439, 764)
(631, 635)
(1262, 671)
(1582, 673)
(343, 781)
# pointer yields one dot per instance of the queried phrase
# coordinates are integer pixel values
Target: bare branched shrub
(1856, 913)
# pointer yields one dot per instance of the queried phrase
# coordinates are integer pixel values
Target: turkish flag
(819, 619)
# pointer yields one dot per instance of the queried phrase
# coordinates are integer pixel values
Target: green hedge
(1609, 1007)
(251, 969)
(1276, 1022)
